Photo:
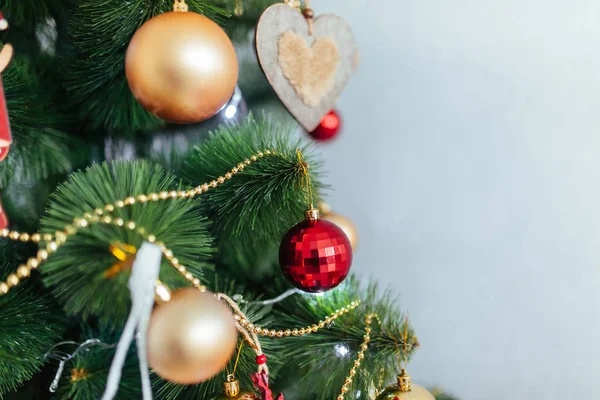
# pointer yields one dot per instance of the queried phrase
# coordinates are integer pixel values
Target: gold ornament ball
(240, 396)
(416, 393)
(345, 225)
(181, 67)
(191, 337)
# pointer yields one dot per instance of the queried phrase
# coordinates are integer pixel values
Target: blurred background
(469, 162)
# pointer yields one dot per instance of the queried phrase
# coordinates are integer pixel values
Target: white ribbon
(142, 286)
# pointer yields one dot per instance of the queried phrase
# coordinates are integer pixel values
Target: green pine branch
(22, 13)
(248, 9)
(252, 211)
(332, 351)
(76, 273)
(85, 376)
(92, 366)
(247, 364)
(40, 149)
(30, 323)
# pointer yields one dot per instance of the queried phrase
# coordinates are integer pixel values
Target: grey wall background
(470, 162)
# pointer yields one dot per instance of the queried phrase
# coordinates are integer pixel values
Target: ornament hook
(180, 6)
(306, 180)
(309, 14)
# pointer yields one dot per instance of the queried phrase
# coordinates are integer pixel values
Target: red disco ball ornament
(315, 255)
(328, 128)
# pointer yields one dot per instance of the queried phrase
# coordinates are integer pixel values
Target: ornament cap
(232, 386)
(312, 214)
(180, 6)
(404, 381)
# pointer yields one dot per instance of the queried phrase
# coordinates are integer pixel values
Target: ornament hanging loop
(312, 214)
(306, 181)
(309, 14)
(180, 6)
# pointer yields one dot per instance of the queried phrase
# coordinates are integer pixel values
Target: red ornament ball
(328, 128)
(315, 256)
(4, 152)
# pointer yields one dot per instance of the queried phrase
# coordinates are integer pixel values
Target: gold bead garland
(297, 332)
(56, 240)
(24, 270)
(99, 216)
(361, 355)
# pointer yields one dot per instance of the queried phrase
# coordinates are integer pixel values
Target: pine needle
(76, 272)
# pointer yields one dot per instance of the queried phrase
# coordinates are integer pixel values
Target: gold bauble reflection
(345, 225)
(181, 67)
(190, 338)
(416, 393)
(240, 396)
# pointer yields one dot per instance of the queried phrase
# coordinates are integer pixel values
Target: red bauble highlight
(328, 128)
(315, 256)
(3, 217)
(5, 135)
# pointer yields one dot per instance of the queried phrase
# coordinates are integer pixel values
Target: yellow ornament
(181, 66)
(191, 337)
(231, 391)
(404, 390)
(344, 223)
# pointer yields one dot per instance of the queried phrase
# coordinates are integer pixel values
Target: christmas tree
(94, 179)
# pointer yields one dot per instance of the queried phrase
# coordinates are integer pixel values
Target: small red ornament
(262, 359)
(3, 217)
(328, 128)
(5, 135)
(315, 255)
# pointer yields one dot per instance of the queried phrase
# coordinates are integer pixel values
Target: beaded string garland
(51, 243)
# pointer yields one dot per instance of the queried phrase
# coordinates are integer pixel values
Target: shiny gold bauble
(416, 393)
(405, 390)
(240, 396)
(191, 337)
(344, 223)
(181, 67)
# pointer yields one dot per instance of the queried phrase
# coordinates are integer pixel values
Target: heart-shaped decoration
(307, 71)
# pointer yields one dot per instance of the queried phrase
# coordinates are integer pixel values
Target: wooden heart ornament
(308, 71)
